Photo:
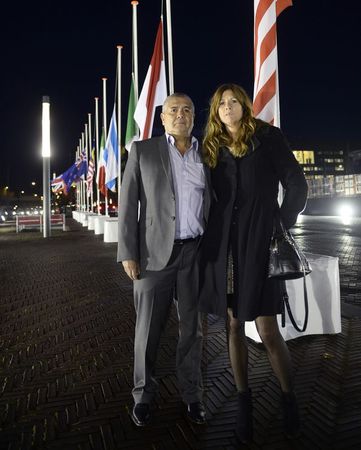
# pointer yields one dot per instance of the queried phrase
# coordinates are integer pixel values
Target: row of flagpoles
(104, 159)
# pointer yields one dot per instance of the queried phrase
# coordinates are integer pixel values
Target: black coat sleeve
(290, 176)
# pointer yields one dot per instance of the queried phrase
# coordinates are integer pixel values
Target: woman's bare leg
(238, 351)
(277, 350)
(238, 355)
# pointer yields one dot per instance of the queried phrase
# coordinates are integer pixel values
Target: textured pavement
(66, 354)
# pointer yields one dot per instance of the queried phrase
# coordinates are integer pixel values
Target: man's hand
(131, 268)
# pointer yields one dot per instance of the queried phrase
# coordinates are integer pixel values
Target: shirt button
(236, 207)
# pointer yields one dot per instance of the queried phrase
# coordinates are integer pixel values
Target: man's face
(178, 116)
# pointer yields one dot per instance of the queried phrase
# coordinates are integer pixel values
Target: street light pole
(45, 152)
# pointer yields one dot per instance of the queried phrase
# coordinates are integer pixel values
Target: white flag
(154, 90)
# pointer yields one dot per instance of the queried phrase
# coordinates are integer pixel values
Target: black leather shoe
(141, 414)
(244, 421)
(291, 418)
(196, 412)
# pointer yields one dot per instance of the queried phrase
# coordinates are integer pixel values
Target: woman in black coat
(248, 159)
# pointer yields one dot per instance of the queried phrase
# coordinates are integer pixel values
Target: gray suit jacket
(147, 186)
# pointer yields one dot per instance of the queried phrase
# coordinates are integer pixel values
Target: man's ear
(162, 118)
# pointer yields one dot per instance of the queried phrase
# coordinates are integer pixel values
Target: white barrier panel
(75, 215)
(111, 229)
(99, 224)
(82, 217)
(85, 218)
(323, 290)
(91, 222)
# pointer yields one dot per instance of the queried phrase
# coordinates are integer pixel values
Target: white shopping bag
(323, 289)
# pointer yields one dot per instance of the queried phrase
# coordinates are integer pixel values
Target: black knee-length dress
(245, 192)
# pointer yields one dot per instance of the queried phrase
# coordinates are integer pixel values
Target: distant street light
(33, 182)
(46, 165)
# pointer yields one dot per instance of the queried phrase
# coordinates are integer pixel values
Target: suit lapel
(207, 192)
(164, 156)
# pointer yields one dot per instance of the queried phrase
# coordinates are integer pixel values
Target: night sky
(63, 49)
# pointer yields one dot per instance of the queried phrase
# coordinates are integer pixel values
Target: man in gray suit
(163, 208)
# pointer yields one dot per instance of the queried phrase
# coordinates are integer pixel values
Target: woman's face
(230, 110)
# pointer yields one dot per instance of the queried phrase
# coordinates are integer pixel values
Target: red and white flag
(101, 168)
(154, 90)
(266, 93)
(90, 174)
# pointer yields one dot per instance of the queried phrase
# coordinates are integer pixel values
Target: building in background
(333, 176)
(322, 162)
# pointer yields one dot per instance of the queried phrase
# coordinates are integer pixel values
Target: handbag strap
(292, 319)
(285, 295)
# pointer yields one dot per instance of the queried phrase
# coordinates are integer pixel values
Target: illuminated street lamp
(45, 152)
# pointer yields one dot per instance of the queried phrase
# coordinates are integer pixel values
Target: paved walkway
(66, 350)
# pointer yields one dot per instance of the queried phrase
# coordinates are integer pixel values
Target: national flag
(82, 164)
(111, 154)
(57, 184)
(266, 94)
(131, 133)
(101, 168)
(72, 175)
(154, 90)
(90, 174)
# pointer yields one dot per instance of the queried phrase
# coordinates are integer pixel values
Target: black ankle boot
(291, 418)
(244, 424)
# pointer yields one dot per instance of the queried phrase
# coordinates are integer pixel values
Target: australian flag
(77, 171)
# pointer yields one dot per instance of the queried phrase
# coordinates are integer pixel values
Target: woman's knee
(233, 324)
(268, 330)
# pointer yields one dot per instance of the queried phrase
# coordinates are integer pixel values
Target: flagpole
(277, 119)
(96, 156)
(132, 129)
(77, 184)
(87, 161)
(80, 183)
(135, 48)
(82, 180)
(105, 130)
(170, 47)
(90, 158)
(119, 110)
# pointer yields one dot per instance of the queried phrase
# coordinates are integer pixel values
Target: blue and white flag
(111, 155)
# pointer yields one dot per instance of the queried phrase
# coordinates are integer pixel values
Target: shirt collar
(193, 146)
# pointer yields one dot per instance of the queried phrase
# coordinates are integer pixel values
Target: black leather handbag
(288, 262)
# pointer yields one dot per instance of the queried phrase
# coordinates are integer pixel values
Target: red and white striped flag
(266, 93)
(101, 168)
(154, 90)
(90, 174)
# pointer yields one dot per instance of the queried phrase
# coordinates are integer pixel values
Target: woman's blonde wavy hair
(216, 135)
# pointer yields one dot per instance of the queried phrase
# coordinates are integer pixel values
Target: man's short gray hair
(175, 95)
